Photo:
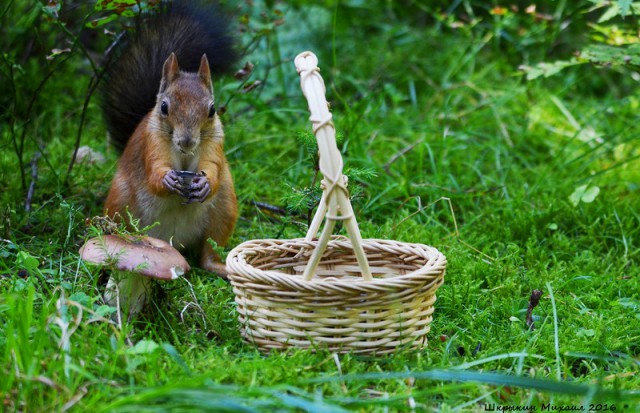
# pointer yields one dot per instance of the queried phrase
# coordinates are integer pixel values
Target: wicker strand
(335, 195)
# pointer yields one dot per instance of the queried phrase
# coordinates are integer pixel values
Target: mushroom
(134, 261)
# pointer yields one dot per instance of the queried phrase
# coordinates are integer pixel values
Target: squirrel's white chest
(182, 225)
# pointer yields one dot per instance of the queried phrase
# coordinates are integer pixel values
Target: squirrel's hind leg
(222, 220)
(210, 261)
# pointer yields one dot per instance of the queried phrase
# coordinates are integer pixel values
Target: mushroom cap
(146, 256)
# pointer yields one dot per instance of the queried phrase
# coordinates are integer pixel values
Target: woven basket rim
(430, 271)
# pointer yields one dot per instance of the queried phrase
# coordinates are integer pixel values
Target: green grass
(439, 116)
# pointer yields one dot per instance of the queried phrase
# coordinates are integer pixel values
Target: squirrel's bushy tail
(132, 78)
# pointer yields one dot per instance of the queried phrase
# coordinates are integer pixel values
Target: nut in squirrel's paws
(174, 183)
(199, 189)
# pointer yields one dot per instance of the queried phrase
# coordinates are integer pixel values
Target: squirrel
(158, 105)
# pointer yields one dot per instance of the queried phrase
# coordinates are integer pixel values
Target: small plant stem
(32, 185)
(555, 332)
(93, 83)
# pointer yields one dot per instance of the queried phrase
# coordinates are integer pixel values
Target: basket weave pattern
(337, 310)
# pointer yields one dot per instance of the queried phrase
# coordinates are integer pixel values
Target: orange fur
(184, 139)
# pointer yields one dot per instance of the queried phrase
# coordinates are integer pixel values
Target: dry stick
(75, 399)
(43, 380)
(400, 154)
(270, 208)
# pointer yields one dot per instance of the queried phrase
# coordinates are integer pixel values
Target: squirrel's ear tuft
(170, 71)
(204, 72)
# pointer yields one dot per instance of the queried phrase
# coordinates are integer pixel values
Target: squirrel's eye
(164, 108)
(212, 110)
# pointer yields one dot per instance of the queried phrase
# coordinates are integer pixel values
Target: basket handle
(335, 204)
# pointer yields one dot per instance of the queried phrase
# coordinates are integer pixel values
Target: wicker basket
(337, 310)
(335, 293)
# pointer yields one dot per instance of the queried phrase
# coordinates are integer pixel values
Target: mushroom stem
(128, 290)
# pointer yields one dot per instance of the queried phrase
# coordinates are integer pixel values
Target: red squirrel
(166, 120)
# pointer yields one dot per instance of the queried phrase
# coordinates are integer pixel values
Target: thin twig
(194, 304)
(32, 185)
(93, 84)
(42, 379)
(400, 154)
(464, 191)
(19, 143)
(75, 399)
(32, 101)
(270, 208)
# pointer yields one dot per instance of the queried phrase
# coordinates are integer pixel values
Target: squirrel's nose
(186, 141)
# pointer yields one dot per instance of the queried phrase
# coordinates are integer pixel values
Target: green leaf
(143, 347)
(585, 194)
(173, 353)
(590, 194)
(104, 311)
(26, 261)
(546, 69)
(57, 52)
(612, 55)
(52, 9)
(117, 5)
(629, 302)
(81, 298)
(575, 197)
(584, 332)
(101, 21)
(625, 7)
(611, 12)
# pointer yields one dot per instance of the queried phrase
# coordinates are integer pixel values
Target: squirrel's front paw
(199, 189)
(174, 183)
